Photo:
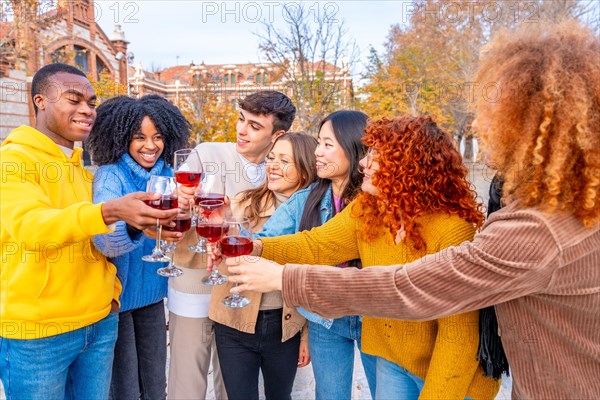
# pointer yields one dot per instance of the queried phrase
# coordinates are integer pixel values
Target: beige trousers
(192, 344)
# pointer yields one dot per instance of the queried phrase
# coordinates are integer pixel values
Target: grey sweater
(542, 271)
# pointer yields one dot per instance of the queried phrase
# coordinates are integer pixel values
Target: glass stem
(158, 230)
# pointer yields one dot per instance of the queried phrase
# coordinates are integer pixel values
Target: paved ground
(481, 176)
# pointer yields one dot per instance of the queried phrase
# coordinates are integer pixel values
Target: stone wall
(14, 102)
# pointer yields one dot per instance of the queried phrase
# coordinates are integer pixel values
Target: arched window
(59, 55)
(101, 68)
(265, 79)
(258, 78)
(233, 79)
(81, 58)
(197, 79)
(226, 79)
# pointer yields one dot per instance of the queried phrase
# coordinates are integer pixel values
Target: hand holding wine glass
(257, 274)
(183, 223)
(212, 195)
(236, 242)
(211, 227)
(166, 187)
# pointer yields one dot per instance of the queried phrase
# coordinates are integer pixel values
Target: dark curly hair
(120, 117)
(420, 172)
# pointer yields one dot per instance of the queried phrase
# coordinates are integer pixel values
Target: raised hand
(254, 273)
(132, 209)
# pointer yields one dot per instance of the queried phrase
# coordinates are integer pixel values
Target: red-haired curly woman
(416, 200)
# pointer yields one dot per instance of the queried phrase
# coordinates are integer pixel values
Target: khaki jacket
(244, 319)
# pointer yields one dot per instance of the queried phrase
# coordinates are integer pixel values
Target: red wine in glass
(208, 206)
(164, 203)
(235, 246)
(212, 232)
(181, 225)
(208, 196)
(187, 178)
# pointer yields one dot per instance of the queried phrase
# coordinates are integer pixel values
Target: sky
(167, 33)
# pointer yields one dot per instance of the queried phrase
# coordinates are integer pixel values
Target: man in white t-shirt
(264, 116)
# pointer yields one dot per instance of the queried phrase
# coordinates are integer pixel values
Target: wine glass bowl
(188, 167)
(236, 242)
(212, 228)
(212, 195)
(165, 185)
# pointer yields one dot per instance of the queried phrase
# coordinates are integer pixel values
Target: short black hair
(40, 79)
(120, 117)
(270, 102)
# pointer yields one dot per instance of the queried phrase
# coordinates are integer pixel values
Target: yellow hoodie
(52, 279)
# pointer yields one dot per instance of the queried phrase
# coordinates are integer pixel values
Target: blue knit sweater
(142, 286)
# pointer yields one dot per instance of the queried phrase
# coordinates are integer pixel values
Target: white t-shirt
(188, 296)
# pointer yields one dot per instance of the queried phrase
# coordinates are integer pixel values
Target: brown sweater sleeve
(514, 255)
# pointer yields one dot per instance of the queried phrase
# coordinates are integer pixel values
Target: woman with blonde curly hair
(416, 200)
(536, 259)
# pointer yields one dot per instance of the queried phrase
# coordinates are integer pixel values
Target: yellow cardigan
(443, 351)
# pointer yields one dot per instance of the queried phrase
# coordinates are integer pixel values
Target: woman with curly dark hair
(131, 140)
(536, 260)
(416, 200)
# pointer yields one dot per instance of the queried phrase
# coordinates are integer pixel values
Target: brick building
(35, 36)
(67, 31)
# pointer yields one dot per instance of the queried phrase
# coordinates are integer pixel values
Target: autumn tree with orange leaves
(428, 63)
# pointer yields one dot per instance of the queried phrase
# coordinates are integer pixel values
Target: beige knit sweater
(541, 270)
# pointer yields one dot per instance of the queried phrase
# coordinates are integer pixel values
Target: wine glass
(212, 190)
(165, 185)
(211, 227)
(188, 167)
(236, 242)
(183, 223)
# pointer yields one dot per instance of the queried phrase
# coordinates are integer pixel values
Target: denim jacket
(286, 220)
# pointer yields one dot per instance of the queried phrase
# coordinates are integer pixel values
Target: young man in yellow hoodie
(58, 294)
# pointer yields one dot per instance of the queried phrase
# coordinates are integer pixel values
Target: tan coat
(244, 319)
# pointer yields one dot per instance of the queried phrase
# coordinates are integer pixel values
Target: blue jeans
(141, 354)
(72, 365)
(395, 382)
(332, 357)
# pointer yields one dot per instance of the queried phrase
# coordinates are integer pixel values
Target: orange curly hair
(420, 172)
(542, 120)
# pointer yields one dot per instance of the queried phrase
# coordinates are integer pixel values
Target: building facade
(35, 36)
(67, 31)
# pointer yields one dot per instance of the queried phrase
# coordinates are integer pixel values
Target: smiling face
(66, 109)
(255, 135)
(370, 165)
(332, 162)
(282, 174)
(147, 145)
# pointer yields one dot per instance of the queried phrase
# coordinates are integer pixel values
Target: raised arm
(331, 243)
(510, 258)
(108, 186)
